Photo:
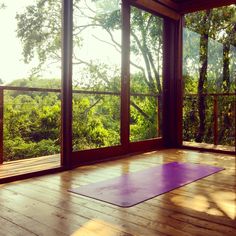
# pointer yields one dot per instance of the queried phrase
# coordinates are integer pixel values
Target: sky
(11, 60)
(12, 65)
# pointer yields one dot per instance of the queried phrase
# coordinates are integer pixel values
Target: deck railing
(214, 96)
(15, 88)
(215, 109)
(85, 92)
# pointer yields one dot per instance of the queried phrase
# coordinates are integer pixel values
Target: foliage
(209, 60)
(32, 119)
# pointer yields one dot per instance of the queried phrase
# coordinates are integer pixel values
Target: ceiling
(185, 6)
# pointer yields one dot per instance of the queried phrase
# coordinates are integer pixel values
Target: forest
(32, 119)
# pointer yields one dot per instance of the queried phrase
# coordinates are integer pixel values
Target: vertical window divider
(125, 74)
(66, 115)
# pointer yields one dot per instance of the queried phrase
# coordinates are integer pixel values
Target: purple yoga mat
(133, 188)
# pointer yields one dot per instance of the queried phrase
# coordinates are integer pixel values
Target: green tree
(40, 34)
(217, 25)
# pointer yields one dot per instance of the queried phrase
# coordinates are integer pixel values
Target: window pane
(146, 75)
(30, 43)
(31, 124)
(30, 46)
(209, 75)
(96, 67)
(97, 122)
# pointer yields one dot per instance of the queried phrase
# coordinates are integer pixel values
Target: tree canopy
(32, 119)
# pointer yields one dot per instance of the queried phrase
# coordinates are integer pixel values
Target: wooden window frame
(172, 13)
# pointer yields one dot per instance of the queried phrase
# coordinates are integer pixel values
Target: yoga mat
(133, 188)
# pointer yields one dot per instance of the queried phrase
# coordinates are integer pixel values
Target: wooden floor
(210, 146)
(14, 168)
(43, 206)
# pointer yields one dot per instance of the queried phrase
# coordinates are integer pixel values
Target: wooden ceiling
(187, 6)
(175, 8)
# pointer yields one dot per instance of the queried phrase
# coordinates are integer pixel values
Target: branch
(93, 105)
(89, 7)
(154, 69)
(150, 84)
(104, 41)
(144, 114)
(112, 38)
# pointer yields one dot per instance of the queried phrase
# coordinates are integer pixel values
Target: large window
(30, 77)
(145, 75)
(96, 74)
(209, 75)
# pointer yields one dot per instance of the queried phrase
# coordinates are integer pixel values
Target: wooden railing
(86, 92)
(14, 88)
(215, 110)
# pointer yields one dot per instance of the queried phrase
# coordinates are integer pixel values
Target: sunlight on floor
(226, 201)
(97, 227)
(218, 203)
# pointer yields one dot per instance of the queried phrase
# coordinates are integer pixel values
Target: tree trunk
(226, 73)
(203, 78)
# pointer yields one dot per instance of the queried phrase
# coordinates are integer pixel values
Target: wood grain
(43, 206)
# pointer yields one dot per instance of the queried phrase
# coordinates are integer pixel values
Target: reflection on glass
(209, 62)
(30, 43)
(96, 121)
(96, 68)
(30, 46)
(31, 124)
(144, 123)
(146, 75)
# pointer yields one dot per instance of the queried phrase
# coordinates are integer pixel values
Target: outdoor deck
(209, 146)
(25, 166)
(43, 206)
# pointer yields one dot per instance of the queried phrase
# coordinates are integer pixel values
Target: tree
(219, 25)
(2, 6)
(39, 30)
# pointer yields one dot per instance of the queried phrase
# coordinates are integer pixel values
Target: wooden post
(172, 101)
(159, 112)
(66, 115)
(1, 124)
(125, 76)
(215, 114)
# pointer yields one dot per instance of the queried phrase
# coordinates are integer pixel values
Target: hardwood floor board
(8, 228)
(13, 168)
(187, 208)
(167, 220)
(28, 223)
(206, 207)
(78, 209)
(53, 217)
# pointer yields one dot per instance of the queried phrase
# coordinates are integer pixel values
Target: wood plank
(20, 167)
(8, 228)
(66, 108)
(170, 4)
(189, 6)
(205, 207)
(28, 223)
(209, 146)
(156, 7)
(144, 213)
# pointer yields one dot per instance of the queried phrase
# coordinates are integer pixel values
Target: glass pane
(31, 124)
(209, 74)
(144, 121)
(31, 42)
(96, 121)
(30, 46)
(146, 75)
(96, 68)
